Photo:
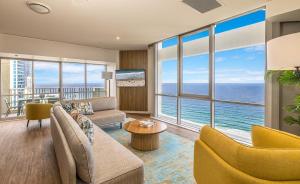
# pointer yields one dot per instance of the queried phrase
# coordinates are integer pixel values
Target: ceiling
(97, 23)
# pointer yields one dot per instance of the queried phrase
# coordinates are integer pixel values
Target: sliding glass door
(166, 84)
(215, 76)
(239, 73)
(46, 81)
(195, 93)
(16, 86)
(73, 81)
(24, 81)
(195, 64)
(95, 85)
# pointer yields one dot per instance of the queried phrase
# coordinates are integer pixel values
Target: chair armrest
(269, 138)
(279, 164)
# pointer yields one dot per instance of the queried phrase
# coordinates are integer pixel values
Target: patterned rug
(172, 163)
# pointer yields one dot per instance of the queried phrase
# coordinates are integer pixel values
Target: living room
(154, 92)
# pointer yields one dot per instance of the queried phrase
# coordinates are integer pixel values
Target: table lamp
(107, 76)
(283, 53)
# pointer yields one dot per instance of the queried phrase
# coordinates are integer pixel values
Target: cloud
(257, 48)
(236, 57)
(239, 76)
(250, 58)
(196, 71)
(46, 66)
(220, 59)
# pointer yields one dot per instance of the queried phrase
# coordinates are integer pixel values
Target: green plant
(290, 78)
(295, 110)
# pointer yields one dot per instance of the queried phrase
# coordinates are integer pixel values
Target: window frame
(33, 61)
(211, 95)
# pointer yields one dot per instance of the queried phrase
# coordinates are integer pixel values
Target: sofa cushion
(114, 163)
(104, 103)
(79, 144)
(85, 108)
(107, 117)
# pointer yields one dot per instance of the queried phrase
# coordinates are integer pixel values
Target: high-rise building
(20, 72)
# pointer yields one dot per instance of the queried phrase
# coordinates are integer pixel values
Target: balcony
(13, 103)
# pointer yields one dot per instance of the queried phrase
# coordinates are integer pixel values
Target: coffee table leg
(147, 142)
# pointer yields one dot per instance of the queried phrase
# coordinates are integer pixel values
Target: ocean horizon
(227, 115)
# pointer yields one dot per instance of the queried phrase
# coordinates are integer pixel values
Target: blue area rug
(171, 163)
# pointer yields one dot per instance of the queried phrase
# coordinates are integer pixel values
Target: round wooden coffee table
(145, 139)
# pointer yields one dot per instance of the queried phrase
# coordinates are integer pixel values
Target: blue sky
(242, 65)
(46, 73)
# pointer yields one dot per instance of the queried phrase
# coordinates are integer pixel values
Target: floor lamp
(107, 76)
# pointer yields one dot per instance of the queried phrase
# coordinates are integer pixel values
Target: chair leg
(7, 113)
(121, 125)
(40, 123)
(27, 123)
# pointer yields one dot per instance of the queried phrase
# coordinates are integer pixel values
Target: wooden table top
(134, 127)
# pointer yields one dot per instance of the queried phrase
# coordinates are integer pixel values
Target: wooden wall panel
(134, 98)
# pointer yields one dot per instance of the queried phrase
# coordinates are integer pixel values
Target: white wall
(32, 46)
(276, 7)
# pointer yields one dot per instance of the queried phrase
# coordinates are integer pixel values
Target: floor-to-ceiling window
(24, 81)
(73, 80)
(16, 86)
(46, 81)
(166, 84)
(239, 73)
(94, 83)
(194, 93)
(219, 72)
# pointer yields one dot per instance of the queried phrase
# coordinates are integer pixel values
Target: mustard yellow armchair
(273, 159)
(37, 111)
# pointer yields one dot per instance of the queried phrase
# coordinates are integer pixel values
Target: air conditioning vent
(203, 6)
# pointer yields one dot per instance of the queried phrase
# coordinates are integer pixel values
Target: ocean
(227, 115)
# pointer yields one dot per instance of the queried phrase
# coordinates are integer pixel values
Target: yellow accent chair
(37, 111)
(274, 158)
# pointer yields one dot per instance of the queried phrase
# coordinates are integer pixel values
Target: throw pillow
(87, 126)
(85, 108)
(67, 106)
(74, 114)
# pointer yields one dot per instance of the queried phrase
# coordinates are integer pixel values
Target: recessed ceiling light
(79, 1)
(118, 38)
(38, 7)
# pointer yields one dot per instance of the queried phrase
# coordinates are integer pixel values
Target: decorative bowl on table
(146, 124)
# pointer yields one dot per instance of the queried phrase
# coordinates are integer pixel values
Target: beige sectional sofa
(104, 162)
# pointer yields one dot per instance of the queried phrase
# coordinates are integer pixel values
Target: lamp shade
(283, 53)
(107, 75)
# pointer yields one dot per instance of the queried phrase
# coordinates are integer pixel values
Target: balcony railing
(13, 102)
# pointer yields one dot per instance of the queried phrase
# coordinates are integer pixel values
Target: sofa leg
(121, 125)
(27, 122)
(40, 121)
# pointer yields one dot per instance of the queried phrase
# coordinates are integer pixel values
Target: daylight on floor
(179, 92)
